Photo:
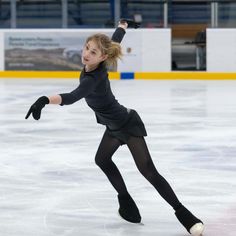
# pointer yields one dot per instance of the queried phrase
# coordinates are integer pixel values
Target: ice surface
(50, 185)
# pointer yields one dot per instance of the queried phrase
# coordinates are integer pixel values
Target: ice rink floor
(50, 185)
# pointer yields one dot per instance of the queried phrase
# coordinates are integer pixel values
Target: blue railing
(97, 13)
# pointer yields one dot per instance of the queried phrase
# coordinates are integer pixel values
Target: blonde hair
(107, 47)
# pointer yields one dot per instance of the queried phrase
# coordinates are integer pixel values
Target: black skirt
(133, 127)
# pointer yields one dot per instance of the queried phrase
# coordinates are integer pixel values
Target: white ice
(50, 185)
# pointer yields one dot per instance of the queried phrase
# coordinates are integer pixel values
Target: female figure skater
(123, 126)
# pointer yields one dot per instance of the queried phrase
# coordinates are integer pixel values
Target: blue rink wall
(121, 75)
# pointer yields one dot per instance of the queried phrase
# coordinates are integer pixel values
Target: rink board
(121, 75)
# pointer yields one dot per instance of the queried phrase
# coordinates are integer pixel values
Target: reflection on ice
(49, 184)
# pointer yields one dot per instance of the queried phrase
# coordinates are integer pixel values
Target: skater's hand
(36, 108)
(131, 23)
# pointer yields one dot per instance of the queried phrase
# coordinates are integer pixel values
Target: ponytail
(114, 53)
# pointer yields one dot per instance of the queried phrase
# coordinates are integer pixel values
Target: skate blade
(129, 221)
(197, 229)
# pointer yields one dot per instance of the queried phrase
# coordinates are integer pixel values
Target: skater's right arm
(86, 87)
(55, 99)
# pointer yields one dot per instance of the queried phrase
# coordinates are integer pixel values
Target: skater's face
(92, 55)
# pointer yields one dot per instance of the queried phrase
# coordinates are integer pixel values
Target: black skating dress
(94, 86)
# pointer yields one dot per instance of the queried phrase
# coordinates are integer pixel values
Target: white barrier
(145, 50)
(221, 50)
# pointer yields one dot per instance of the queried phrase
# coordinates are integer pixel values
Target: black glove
(36, 108)
(131, 23)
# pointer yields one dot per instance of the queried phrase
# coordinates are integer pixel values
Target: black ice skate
(128, 209)
(192, 224)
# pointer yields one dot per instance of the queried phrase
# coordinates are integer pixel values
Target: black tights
(143, 161)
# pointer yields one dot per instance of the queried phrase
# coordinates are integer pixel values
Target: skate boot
(128, 209)
(192, 224)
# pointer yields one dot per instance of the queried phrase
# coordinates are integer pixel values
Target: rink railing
(147, 54)
(190, 75)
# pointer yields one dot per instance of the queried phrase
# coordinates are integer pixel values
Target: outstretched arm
(122, 26)
(119, 33)
(84, 89)
(55, 99)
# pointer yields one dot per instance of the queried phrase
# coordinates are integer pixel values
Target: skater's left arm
(119, 33)
(123, 24)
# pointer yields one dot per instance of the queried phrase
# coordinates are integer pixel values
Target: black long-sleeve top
(95, 88)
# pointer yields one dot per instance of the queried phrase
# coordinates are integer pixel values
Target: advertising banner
(43, 51)
(60, 50)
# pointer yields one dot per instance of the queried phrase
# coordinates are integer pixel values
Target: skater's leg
(144, 163)
(191, 223)
(103, 159)
(143, 160)
(128, 209)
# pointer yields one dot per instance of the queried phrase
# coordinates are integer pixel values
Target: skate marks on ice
(49, 184)
(84, 213)
(224, 224)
